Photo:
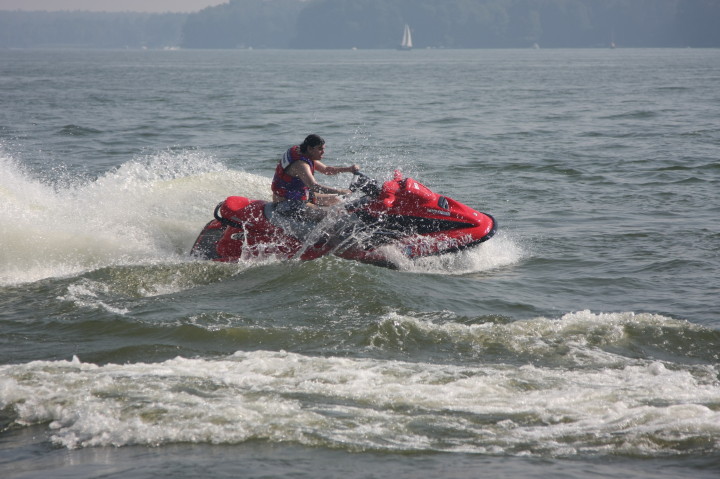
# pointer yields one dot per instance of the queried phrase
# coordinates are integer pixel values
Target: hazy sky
(111, 5)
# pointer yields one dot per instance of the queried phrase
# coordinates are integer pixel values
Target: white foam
(86, 294)
(576, 339)
(500, 251)
(643, 407)
(147, 211)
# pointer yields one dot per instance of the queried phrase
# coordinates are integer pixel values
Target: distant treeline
(90, 30)
(326, 24)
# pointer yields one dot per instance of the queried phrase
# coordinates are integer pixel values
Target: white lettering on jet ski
(438, 212)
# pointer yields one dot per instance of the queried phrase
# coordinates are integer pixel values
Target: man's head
(311, 141)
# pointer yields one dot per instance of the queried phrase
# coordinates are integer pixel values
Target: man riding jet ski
(400, 217)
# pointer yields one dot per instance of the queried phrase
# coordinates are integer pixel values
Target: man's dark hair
(311, 141)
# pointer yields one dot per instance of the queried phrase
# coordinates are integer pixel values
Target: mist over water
(582, 337)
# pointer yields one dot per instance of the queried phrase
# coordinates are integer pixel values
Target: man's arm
(302, 171)
(334, 170)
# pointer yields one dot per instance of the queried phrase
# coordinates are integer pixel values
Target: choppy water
(584, 338)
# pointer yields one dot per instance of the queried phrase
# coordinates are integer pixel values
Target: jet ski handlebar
(365, 184)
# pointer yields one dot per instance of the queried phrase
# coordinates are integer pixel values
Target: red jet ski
(400, 216)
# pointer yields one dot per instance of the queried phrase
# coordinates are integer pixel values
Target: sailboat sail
(406, 39)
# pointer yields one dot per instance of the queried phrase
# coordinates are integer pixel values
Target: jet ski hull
(402, 216)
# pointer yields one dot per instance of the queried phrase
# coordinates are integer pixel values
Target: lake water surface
(583, 339)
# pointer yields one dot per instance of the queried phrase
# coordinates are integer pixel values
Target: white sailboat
(406, 43)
